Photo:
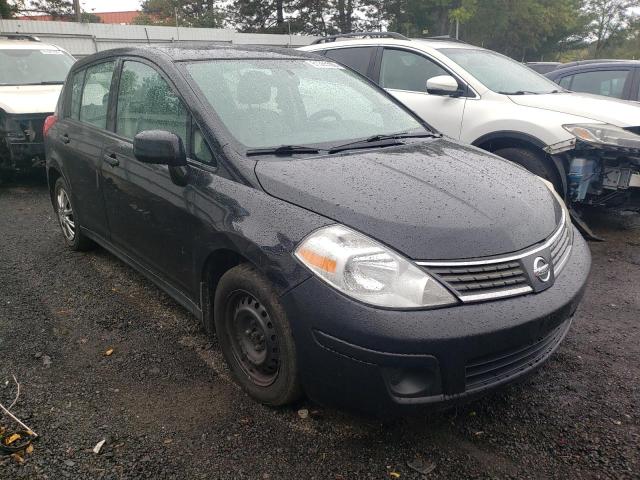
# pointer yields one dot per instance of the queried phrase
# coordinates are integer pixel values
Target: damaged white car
(587, 146)
(31, 78)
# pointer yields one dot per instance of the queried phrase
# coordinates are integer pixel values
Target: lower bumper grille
(494, 368)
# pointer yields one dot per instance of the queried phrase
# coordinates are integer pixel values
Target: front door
(404, 74)
(148, 213)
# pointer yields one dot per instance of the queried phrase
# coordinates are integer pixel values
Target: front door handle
(65, 138)
(112, 159)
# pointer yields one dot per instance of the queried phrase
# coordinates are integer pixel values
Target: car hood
(29, 98)
(594, 107)
(430, 200)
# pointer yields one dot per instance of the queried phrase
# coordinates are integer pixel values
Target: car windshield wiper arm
(386, 140)
(282, 150)
(520, 92)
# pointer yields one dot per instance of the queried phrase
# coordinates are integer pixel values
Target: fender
(531, 140)
(510, 134)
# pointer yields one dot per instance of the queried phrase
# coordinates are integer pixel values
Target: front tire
(255, 337)
(73, 236)
(533, 161)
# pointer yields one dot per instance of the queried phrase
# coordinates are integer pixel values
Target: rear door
(81, 134)
(404, 74)
(148, 213)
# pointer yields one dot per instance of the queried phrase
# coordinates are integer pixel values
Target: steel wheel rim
(65, 215)
(253, 338)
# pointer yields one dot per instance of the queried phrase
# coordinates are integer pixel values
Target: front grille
(494, 278)
(470, 281)
(494, 368)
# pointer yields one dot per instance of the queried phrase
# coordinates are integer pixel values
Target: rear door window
(357, 59)
(147, 102)
(609, 83)
(95, 95)
(403, 70)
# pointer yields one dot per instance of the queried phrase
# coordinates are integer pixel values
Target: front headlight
(604, 134)
(368, 271)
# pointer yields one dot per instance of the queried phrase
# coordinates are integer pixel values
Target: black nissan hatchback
(333, 242)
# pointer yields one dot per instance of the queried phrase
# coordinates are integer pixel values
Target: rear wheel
(533, 161)
(73, 237)
(255, 337)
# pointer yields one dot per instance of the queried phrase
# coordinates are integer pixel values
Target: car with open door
(31, 78)
(332, 241)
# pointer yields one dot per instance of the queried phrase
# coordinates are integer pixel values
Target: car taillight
(49, 122)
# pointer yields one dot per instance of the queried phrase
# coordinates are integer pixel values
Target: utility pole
(77, 11)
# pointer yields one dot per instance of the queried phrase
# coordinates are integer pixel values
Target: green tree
(609, 22)
(55, 8)
(260, 16)
(8, 9)
(185, 13)
(526, 29)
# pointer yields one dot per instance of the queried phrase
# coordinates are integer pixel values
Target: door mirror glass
(443, 85)
(159, 147)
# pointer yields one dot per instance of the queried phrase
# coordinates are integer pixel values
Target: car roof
(435, 43)
(24, 43)
(194, 52)
(601, 62)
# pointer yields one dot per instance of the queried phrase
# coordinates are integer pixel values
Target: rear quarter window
(357, 59)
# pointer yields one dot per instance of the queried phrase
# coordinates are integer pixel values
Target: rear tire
(533, 161)
(255, 337)
(71, 232)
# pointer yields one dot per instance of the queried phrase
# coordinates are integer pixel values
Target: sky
(109, 5)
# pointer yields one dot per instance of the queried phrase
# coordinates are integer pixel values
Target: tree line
(523, 29)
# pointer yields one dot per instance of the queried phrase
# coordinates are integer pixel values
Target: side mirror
(159, 147)
(443, 85)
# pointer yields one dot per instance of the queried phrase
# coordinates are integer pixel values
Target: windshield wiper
(381, 140)
(520, 92)
(282, 150)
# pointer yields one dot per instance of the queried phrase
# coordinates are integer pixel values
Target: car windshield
(499, 73)
(33, 67)
(269, 103)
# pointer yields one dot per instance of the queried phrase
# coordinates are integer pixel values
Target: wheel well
(499, 143)
(558, 164)
(52, 176)
(216, 265)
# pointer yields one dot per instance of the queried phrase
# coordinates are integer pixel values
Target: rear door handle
(111, 159)
(65, 138)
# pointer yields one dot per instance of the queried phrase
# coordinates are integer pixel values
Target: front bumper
(22, 142)
(355, 356)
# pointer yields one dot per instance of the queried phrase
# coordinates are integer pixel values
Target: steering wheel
(325, 113)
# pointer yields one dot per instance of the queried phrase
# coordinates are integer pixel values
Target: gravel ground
(165, 404)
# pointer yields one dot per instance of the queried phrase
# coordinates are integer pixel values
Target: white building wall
(82, 39)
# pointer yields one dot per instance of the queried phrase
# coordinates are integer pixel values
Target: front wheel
(535, 162)
(255, 337)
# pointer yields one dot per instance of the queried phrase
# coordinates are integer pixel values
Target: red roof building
(123, 18)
